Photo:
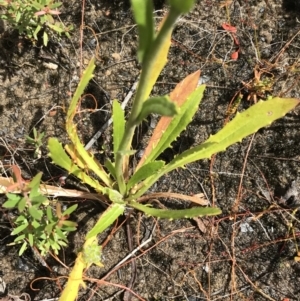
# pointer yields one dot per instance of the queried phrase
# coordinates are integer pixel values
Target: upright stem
(142, 93)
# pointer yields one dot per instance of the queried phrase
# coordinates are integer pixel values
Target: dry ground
(243, 256)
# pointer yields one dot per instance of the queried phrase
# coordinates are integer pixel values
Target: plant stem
(142, 93)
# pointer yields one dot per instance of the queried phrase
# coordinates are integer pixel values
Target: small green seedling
(35, 225)
(36, 141)
(31, 17)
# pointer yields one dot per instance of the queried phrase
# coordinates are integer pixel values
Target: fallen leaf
(229, 28)
(235, 55)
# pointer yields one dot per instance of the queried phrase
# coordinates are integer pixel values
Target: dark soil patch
(246, 256)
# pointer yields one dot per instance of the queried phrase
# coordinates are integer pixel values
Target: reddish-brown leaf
(229, 28)
(178, 95)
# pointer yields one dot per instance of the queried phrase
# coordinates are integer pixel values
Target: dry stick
(235, 209)
(128, 295)
(236, 203)
(279, 54)
(109, 122)
(255, 286)
(136, 249)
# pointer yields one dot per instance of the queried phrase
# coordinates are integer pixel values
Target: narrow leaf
(89, 161)
(110, 167)
(70, 210)
(242, 125)
(35, 182)
(30, 239)
(12, 201)
(156, 58)
(143, 16)
(23, 248)
(161, 105)
(118, 125)
(75, 280)
(86, 77)
(144, 172)
(21, 205)
(59, 157)
(19, 229)
(45, 38)
(106, 219)
(176, 214)
(35, 213)
(69, 224)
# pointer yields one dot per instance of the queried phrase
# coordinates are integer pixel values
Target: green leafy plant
(124, 187)
(36, 141)
(30, 17)
(36, 225)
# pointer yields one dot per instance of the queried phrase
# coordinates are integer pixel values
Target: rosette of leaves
(125, 186)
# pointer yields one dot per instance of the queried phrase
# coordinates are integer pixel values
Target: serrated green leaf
(86, 77)
(143, 16)
(59, 157)
(19, 229)
(106, 219)
(35, 213)
(178, 123)
(91, 164)
(242, 125)
(161, 105)
(118, 125)
(144, 172)
(176, 214)
(155, 58)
